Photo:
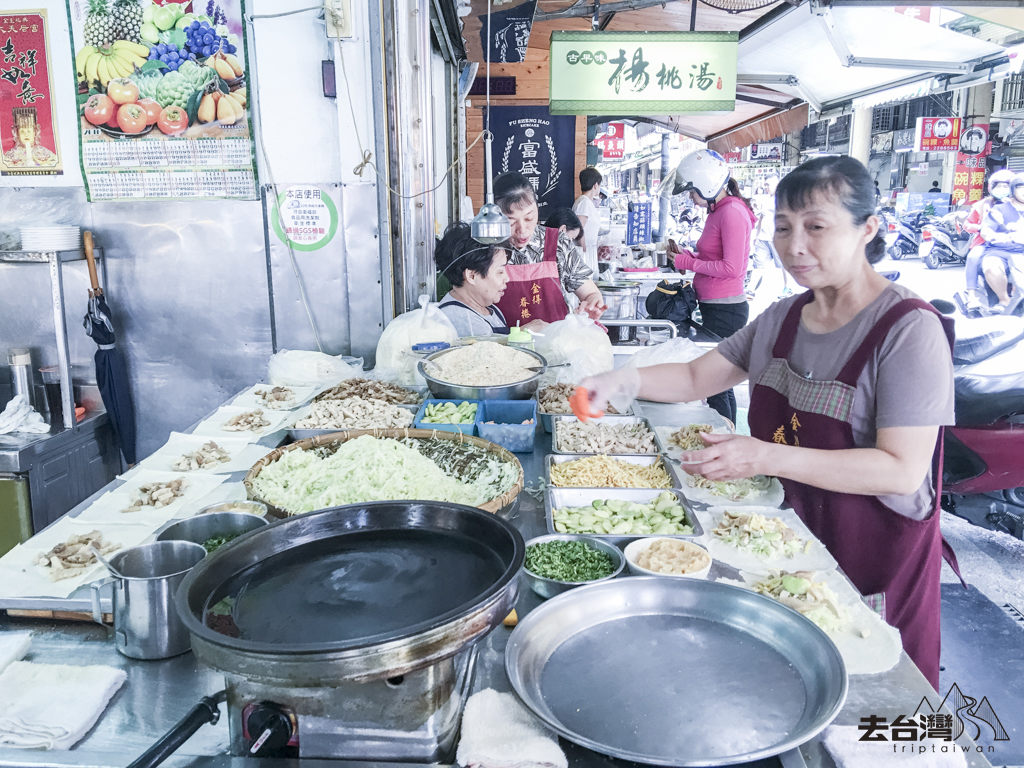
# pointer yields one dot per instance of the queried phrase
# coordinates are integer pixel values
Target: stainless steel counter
(158, 693)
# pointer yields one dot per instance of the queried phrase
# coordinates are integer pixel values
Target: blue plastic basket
(508, 429)
(466, 429)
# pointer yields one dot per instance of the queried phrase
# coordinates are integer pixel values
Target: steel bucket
(146, 623)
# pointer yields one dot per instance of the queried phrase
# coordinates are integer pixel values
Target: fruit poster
(163, 99)
(28, 126)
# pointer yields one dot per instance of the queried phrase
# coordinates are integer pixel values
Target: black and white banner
(542, 147)
(510, 33)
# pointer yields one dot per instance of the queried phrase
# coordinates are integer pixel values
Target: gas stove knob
(270, 729)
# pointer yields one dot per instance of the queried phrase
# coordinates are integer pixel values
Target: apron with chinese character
(534, 291)
(892, 559)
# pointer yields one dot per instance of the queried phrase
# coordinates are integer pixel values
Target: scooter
(945, 241)
(903, 235)
(1015, 285)
(983, 475)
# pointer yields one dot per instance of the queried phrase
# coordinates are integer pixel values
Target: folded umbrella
(111, 373)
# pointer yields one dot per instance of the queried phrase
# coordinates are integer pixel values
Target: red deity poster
(28, 125)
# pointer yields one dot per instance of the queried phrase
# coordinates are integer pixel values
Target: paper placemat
(20, 577)
(244, 453)
(249, 400)
(868, 645)
(214, 426)
(107, 509)
(224, 492)
(815, 558)
(773, 494)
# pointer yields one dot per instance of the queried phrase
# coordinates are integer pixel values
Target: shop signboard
(163, 101)
(542, 147)
(613, 143)
(881, 143)
(638, 224)
(765, 152)
(903, 141)
(643, 73)
(510, 33)
(732, 157)
(969, 172)
(29, 145)
(933, 204)
(937, 134)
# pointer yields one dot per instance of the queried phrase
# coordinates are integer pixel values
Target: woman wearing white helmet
(998, 190)
(722, 251)
(1003, 230)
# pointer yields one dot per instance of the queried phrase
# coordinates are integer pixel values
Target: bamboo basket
(495, 505)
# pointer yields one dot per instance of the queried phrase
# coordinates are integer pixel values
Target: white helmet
(1003, 176)
(704, 171)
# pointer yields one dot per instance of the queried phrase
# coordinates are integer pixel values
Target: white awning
(796, 44)
(893, 95)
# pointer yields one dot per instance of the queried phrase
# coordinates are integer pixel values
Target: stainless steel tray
(556, 498)
(302, 434)
(547, 419)
(642, 459)
(690, 672)
(603, 420)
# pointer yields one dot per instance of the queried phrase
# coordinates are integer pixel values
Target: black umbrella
(111, 373)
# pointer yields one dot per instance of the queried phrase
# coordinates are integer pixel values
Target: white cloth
(13, 647)
(842, 742)
(20, 416)
(52, 706)
(498, 732)
(584, 206)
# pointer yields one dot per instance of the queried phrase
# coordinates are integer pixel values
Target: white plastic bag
(677, 350)
(576, 340)
(302, 368)
(395, 361)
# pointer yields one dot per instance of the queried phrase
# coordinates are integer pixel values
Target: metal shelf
(56, 260)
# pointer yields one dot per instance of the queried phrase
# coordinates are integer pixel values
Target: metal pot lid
(619, 285)
(350, 579)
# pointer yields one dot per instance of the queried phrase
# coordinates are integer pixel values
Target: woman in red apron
(543, 266)
(852, 383)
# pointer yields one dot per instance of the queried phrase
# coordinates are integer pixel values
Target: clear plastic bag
(576, 340)
(302, 368)
(677, 350)
(395, 359)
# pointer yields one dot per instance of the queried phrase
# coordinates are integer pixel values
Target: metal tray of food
(556, 498)
(648, 459)
(602, 420)
(691, 672)
(302, 434)
(547, 419)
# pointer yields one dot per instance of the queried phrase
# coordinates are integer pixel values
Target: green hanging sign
(643, 73)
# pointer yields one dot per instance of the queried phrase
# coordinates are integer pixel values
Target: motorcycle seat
(984, 337)
(985, 399)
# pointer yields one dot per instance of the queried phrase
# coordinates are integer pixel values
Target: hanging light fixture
(490, 225)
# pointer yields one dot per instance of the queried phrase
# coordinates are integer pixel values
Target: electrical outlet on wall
(338, 14)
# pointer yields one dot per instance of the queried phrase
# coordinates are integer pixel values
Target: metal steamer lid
(357, 592)
(619, 285)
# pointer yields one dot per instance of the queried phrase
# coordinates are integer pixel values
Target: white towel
(498, 732)
(13, 647)
(52, 706)
(20, 416)
(842, 742)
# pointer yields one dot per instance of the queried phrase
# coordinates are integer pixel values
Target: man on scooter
(1003, 230)
(998, 190)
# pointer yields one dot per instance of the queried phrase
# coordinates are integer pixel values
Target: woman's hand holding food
(619, 387)
(728, 457)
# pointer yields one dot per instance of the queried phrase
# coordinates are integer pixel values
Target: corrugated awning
(764, 129)
(894, 95)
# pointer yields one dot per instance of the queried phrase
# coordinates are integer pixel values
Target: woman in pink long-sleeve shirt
(723, 250)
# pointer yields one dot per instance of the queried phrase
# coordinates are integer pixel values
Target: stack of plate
(51, 238)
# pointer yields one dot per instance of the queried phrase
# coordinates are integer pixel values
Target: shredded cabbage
(371, 469)
(733, 490)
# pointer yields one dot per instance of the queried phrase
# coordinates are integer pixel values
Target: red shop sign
(937, 134)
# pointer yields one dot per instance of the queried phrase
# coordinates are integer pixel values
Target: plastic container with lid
(520, 337)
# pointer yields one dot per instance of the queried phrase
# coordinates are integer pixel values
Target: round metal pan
(676, 672)
(354, 592)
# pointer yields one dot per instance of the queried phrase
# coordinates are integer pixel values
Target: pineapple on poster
(163, 99)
